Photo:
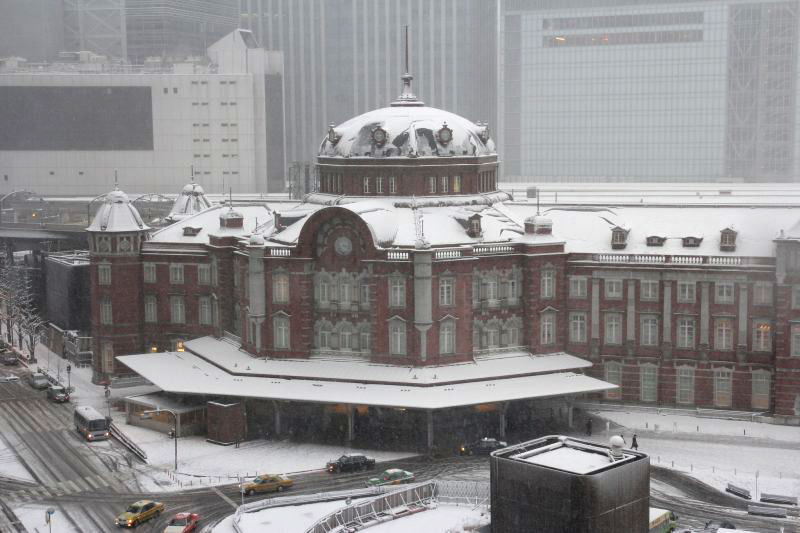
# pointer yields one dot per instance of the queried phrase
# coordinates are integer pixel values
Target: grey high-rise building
(345, 57)
(32, 29)
(639, 90)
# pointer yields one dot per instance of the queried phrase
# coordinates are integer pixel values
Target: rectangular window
(204, 274)
(490, 288)
(762, 336)
(613, 328)
(614, 376)
(150, 309)
(649, 383)
(176, 274)
(106, 315)
(214, 272)
(649, 330)
(722, 387)
(397, 337)
(686, 333)
(446, 292)
(447, 337)
(107, 356)
(443, 183)
(723, 334)
(686, 291)
(366, 185)
(392, 185)
(366, 341)
(177, 310)
(577, 327)
(795, 340)
(149, 272)
(723, 292)
(379, 185)
(548, 283)
(548, 329)
(364, 295)
(513, 288)
(397, 292)
(280, 288)
(104, 274)
(613, 289)
(760, 391)
(204, 311)
(648, 290)
(281, 328)
(685, 385)
(577, 287)
(432, 184)
(456, 183)
(762, 293)
(492, 337)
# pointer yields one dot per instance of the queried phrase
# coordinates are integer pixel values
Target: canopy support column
(277, 417)
(430, 429)
(351, 433)
(502, 429)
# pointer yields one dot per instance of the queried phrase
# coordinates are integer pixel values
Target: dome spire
(407, 96)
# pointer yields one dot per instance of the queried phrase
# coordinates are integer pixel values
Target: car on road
(267, 483)
(9, 359)
(9, 378)
(139, 512)
(57, 394)
(350, 462)
(183, 523)
(485, 446)
(393, 476)
(38, 381)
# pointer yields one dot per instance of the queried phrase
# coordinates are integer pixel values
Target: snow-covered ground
(10, 466)
(441, 519)
(285, 519)
(757, 456)
(33, 518)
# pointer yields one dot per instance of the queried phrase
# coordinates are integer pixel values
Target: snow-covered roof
(571, 456)
(227, 355)
(186, 373)
(191, 200)
(587, 229)
(117, 214)
(208, 223)
(410, 131)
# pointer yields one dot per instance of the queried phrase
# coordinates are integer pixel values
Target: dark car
(9, 359)
(484, 446)
(350, 462)
(713, 525)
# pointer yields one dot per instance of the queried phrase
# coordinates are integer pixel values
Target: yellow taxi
(139, 512)
(267, 483)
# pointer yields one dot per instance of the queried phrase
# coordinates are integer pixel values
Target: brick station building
(409, 292)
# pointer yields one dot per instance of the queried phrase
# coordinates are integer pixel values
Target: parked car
(139, 512)
(9, 359)
(9, 378)
(267, 483)
(393, 476)
(57, 394)
(183, 523)
(38, 381)
(485, 446)
(350, 462)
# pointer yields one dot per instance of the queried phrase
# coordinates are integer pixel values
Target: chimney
(538, 225)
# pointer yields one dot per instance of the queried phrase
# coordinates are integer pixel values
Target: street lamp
(147, 414)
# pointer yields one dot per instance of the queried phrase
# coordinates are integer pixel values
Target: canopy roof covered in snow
(186, 373)
(196, 228)
(117, 214)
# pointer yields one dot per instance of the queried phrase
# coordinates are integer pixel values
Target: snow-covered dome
(256, 239)
(407, 128)
(191, 201)
(117, 214)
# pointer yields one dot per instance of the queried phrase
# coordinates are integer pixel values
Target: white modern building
(71, 128)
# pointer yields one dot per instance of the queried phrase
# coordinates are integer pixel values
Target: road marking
(93, 483)
(219, 493)
(73, 488)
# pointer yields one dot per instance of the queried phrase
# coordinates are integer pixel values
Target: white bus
(91, 424)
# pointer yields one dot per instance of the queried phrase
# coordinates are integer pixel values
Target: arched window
(323, 335)
(447, 336)
(346, 340)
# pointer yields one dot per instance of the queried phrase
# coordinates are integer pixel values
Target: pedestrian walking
(589, 427)
(635, 443)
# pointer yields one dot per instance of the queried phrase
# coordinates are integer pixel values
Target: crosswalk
(66, 488)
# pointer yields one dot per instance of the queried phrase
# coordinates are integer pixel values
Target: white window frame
(444, 183)
(204, 274)
(687, 292)
(723, 334)
(612, 328)
(432, 184)
(397, 337)
(364, 294)
(457, 184)
(492, 293)
(366, 184)
(723, 387)
(613, 375)
(613, 289)
(280, 288)
(106, 311)
(648, 290)
(107, 356)
(577, 327)
(547, 329)
(648, 383)
(392, 185)
(177, 310)
(794, 342)
(104, 274)
(176, 276)
(204, 315)
(578, 287)
(760, 386)
(548, 283)
(150, 309)
(282, 332)
(397, 291)
(762, 335)
(379, 184)
(684, 386)
(446, 291)
(723, 292)
(763, 293)
(686, 333)
(648, 330)
(149, 272)
(447, 337)
(492, 336)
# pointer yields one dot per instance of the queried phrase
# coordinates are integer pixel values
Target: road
(90, 483)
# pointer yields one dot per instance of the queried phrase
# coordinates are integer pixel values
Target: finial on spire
(116, 180)
(407, 96)
(192, 170)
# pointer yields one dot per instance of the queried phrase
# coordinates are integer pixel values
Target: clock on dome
(343, 246)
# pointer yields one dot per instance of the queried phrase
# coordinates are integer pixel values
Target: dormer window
(189, 231)
(727, 240)
(619, 238)
(474, 230)
(655, 240)
(692, 242)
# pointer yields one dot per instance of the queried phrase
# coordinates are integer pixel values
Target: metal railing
(128, 443)
(653, 259)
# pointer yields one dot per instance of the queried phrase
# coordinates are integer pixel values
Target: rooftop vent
(231, 219)
(692, 242)
(655, 240)
(189, 231)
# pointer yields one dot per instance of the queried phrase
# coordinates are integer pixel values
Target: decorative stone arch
(321, 328)
(314, 234)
